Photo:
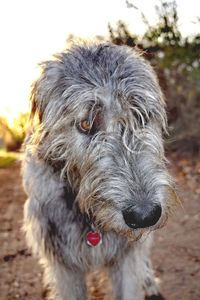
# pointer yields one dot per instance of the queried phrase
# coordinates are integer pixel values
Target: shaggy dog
(95, 171)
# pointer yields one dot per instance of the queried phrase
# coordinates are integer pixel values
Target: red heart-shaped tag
(93, 238)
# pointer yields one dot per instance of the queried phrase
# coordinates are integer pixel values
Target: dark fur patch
(155, 297)
(69, 196)
(52, 228)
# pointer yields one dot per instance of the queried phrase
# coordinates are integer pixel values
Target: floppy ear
(47, 88)
(35, 103)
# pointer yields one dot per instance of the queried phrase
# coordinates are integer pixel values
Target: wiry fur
(71, 177)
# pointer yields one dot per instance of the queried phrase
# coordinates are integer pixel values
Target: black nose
(142, 216)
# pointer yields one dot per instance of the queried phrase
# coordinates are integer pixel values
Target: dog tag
(93, 238)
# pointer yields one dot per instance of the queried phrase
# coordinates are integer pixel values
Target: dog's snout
(142, 216)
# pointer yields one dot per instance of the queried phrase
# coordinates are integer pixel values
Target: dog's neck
(93, 237)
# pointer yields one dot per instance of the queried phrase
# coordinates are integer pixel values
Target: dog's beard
(105, 218)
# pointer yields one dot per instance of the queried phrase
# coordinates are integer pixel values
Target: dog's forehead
(101, 98)
(108, 98)
(116, 79)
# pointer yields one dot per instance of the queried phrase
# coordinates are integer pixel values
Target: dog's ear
(47, 88)
(35, 110)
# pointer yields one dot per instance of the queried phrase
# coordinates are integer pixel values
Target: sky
(32, 30)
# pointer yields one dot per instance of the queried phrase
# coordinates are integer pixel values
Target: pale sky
(32, 30)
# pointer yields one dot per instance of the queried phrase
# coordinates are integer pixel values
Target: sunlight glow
(33, 30)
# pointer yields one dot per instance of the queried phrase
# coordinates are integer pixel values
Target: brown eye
(85, 126)
(90, 126)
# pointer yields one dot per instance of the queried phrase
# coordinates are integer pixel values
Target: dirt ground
(176, 254)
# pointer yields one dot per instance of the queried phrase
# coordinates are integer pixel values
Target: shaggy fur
(79, 180)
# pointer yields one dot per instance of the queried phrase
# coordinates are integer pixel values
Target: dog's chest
(71, 246)
(107, 252)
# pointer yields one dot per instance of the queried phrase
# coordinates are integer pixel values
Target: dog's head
(101, 117)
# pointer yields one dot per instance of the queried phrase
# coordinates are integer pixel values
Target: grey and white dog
(95, 171)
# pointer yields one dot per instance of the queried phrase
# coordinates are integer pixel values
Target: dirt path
(176, 254)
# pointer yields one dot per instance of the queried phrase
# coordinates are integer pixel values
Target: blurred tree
(122, 36)
(13, 134)
(166, 32)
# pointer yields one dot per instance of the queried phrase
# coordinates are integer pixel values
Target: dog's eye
(90, 126)
(85, 126)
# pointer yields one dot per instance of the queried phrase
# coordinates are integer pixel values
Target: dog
(95, 171)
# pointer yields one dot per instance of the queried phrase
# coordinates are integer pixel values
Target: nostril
(130, 218)
(142, 216)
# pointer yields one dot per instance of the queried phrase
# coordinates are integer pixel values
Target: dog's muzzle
(142, 216)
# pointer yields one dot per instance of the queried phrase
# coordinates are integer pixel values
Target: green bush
(7, 158)
(13, 134)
